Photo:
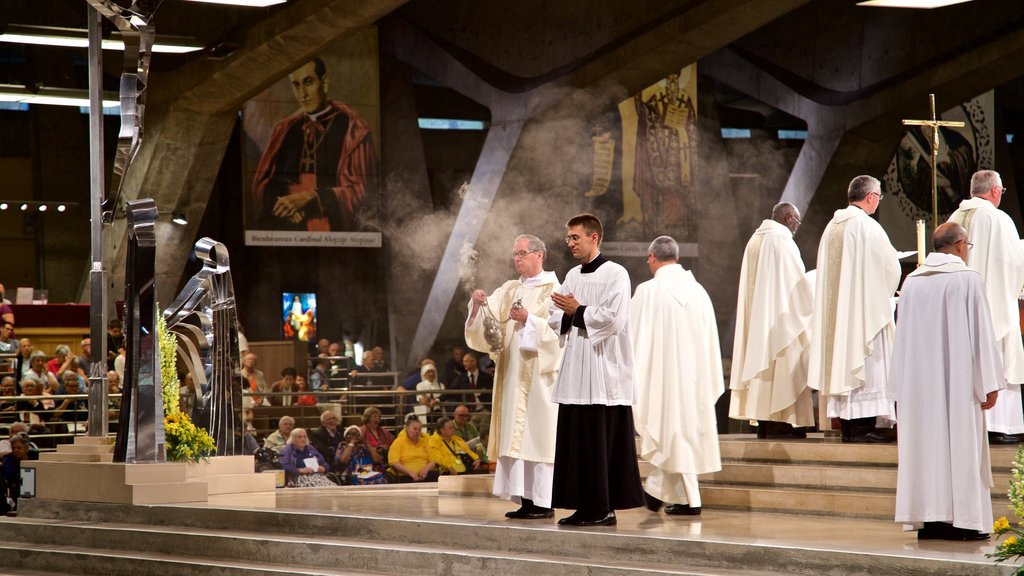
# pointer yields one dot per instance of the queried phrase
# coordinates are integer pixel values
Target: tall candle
(920, 242)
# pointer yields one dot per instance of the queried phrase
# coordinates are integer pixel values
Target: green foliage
(1013, 545)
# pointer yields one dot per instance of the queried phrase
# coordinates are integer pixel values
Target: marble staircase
(807, 476)
(115, 539)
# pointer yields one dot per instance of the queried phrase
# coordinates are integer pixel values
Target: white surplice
(999, 257)
(523, 417)
(598, 364)
(678, 369)
(851, 331)
(772, 343)
(945, 361)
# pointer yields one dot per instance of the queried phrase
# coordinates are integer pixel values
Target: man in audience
(22, 363)
(255, 381)
(285, 384)
(8, 345)
(409, 457)
(115, 341)
(33, 410)
(327, 437)
(365, 364)
(318, 378)
(16, 428)
(72, 410)
(474, 379)
(378, 359)
(8, 408)
(85, 358)
(464, 427)
(279, 438)
(453, 367)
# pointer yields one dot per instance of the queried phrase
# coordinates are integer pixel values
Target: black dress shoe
(652, 503)
(606, 520)
(534, 513)
(1000, 438)
(946, 531)
(682, 510)
(878, 438)
(572, 520)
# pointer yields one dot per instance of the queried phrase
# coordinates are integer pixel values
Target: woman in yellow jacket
(451, 453)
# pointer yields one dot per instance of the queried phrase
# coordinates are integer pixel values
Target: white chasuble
(772, 342)
(678, 372)
(851, 330)
(998, 256)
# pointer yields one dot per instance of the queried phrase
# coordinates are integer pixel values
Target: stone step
(424, 546)
(220, 465)
(94, 440)
(816, 449)
(116, 482)
(238, 483)
(85, 449)
(825, 477)
(839, 503)
(74, 457)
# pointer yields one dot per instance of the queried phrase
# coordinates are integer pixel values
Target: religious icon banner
(644, 157)
(310, 155)
(907, 183)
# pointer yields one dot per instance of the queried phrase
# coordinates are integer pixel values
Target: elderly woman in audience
(362, 465)
(277, 439)
(10, 479)
(303, 464)
(409, 458)
(450, 452)
(427, 401)
(376, 436)
(37, 371)
(327, 437)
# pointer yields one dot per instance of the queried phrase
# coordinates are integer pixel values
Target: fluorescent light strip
(926, 4)
(250, 3)
(53, 96)
(79, 38)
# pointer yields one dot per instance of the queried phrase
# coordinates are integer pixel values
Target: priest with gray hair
(678, 370)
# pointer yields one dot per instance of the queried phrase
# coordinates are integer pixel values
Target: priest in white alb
(772, 342)
(946, 370)
(999, 257)
(596, 469)
(852, 328)
(678, 368)
(523, 417)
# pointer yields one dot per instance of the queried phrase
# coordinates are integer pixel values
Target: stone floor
(781, 530)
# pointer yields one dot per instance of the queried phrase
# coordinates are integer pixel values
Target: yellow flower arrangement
(186, 442)
(1012, 547)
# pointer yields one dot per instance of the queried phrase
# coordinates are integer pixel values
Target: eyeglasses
(575, 238)
(879, 194)
(969, 244)
(523, 254)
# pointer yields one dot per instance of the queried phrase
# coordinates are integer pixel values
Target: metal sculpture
(203, 319)
(140, 434)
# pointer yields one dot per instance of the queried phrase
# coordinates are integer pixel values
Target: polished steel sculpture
(140, 434)
(135, 25)
(204, 321)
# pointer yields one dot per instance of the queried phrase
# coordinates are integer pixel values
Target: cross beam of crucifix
(934, 124)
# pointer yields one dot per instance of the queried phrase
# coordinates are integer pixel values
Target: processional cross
(934, 124)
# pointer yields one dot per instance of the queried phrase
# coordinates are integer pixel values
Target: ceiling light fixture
(179, 219)
(79, 38)
(927, 4)
(3, 205)
(53, 96)
(250, 3)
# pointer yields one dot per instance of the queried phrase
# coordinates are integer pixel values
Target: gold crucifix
(934, 124)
